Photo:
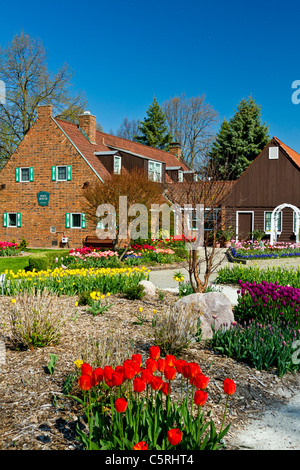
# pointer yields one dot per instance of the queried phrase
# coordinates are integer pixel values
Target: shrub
(134, 292)
(176, 328)
(38, 262)
(35, 320)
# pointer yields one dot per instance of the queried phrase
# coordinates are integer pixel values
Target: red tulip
(146, 375)
(129, 370)
(179, 365)
(151, 365)
(117, 377)
(85, 382)
(200, 397)
(137, 358)
(97, 375)
(170, 373)
(229, 386)
(139, 384)
(166, 388)
(86, 369)
(156, 383)
(140, 446)
(107, 374)
(201, 381)
(170, 360)
(121, 405)
(154, 352)
(174, 436)
(161, 364)
(190, 369)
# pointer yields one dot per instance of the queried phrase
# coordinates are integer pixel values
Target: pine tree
(239, 140)
(153, 131)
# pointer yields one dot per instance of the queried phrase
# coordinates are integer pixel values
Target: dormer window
(180, 176)
(155, 171)
(117, 165)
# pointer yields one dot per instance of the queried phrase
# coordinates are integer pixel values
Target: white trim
(155, 164)
(20, 177)
(237, 222)
(269, 231)
(117, 157)
(12, 226)
(273, 235)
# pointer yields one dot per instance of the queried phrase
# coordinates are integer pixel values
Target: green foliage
(134, 292)
(153, 131)
(38, 262)
(284, 276)
(263, 346)
(239, 140)
(52, 362)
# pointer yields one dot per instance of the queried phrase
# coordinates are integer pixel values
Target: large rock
(214, 308)
(149, 287)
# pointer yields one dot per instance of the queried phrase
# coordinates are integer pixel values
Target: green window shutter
(53, 173)
(4, 219)
(83, 221)
(69, 173)
(17, 175)
(31, 173)
(68, 220)
(19, 219)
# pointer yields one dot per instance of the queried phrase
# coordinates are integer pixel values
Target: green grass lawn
(14, 263)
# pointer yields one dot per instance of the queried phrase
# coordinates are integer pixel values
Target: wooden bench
(98, 242)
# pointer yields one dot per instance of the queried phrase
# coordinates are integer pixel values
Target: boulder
(214, 308)
(149, 287)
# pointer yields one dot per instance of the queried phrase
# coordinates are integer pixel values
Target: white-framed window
(117, 165)
(75, 220)
(180, 176)
(155, 171)
(11, 219)
(267, 222)
(273, 153)
(24, 174)
(61, 173)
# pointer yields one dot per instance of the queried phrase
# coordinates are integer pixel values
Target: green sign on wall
(43, 198)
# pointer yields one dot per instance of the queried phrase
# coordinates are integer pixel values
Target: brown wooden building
(272, 179)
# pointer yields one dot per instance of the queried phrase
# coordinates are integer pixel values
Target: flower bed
(9, 249)
(74, 281)
(263, 250)
(236, 273)
(130, 407)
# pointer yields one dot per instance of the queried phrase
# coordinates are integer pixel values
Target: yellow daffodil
(78, 363)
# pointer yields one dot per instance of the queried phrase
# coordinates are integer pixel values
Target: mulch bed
(36, 415)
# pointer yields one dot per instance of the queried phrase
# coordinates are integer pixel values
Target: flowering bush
(130, 406)
(8, 249)
(263, 249)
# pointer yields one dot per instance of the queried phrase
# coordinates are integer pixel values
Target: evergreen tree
(153, 131)
(239, 140)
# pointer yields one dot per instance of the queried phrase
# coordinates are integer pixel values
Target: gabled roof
(106, 143)
(291, 153)
(200, 192)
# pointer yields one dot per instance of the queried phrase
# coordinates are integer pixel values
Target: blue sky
(124, 53)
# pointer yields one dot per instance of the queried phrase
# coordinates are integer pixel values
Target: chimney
(175, 149)
(44, 111)
(87, 123)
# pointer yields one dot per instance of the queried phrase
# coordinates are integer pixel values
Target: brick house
(41, 184)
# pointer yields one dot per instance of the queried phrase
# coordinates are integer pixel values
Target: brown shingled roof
(107, 142)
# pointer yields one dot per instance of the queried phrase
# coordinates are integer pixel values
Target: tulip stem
(224, 413)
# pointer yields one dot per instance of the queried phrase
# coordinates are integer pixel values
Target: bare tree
(191, 122)
(128, 129)
(209, 192)
(28, 83)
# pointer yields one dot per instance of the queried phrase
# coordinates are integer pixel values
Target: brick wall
(44, 146)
